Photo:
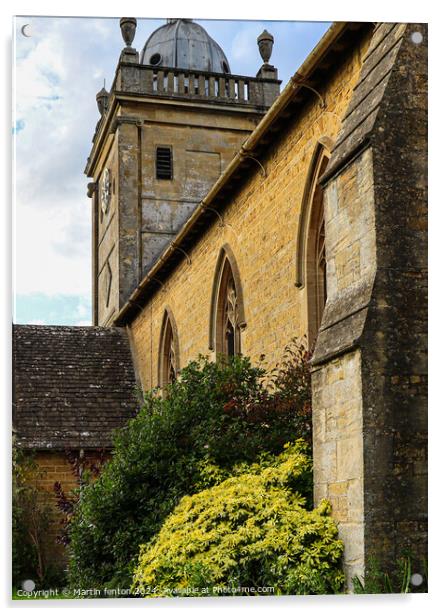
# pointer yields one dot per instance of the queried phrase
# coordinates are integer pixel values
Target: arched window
(316, 264)
(227, 318)
(168, 356)
(311, 258)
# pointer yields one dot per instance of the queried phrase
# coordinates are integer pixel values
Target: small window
(155, 59)
(225, 66)
(164, 169)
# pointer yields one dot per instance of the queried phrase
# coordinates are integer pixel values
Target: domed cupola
(184, 44)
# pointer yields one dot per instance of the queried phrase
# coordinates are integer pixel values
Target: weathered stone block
(350, 457)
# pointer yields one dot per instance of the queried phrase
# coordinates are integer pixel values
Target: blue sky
(58, 70)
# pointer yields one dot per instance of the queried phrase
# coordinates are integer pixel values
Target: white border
(377, 10)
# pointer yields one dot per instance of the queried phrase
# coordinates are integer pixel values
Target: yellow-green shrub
(250, 531)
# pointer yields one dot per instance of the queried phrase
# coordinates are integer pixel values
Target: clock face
(105, 191)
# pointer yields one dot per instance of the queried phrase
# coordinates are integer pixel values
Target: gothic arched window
(168, 357)
(227, 317)
(311, 257)
(316, 266)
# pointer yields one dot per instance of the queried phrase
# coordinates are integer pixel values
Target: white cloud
(39, 265)
(58, 72)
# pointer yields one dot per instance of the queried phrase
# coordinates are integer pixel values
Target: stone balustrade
(236, 89)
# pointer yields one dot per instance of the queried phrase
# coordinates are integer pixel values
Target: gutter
(296, 82)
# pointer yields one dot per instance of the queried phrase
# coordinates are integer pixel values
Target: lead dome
(184, 44)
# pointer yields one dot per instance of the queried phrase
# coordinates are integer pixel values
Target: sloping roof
(72, 385)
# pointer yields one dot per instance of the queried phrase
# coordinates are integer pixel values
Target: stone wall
(105, 280)
(261, 227)
(395, 366)
(338, 451)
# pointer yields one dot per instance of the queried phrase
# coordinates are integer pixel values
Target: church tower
(172, 121)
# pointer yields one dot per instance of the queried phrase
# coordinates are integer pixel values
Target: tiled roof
(72, 385)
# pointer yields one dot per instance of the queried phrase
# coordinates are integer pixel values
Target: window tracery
(168, 361)
(230, 322)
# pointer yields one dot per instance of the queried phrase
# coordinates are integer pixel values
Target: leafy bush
(84, 468)
(250, 531)
(30, 520)
(214, 417)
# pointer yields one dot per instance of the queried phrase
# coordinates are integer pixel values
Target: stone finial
(128, 29)
(265, 41)
(102, 100)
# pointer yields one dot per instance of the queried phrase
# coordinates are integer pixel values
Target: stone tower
(171, 123)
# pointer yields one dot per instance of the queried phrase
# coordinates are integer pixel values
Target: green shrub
(30, 522)
(250, 531)
(214, 417)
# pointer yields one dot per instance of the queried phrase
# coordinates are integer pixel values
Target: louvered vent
(164, 169)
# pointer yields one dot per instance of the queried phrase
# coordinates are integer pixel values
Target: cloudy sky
(58, 70)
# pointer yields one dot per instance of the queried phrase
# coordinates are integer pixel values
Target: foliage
(30, 520)
(250, 531)
(215, 416)
(282, 398)
(84, 470)
(377, 581)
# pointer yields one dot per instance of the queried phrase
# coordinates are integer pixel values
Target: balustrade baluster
(231, 88)
(211, 86)
(180, 83)
(160, 82)
(241, 89)
(170, 84)
(201, 85)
